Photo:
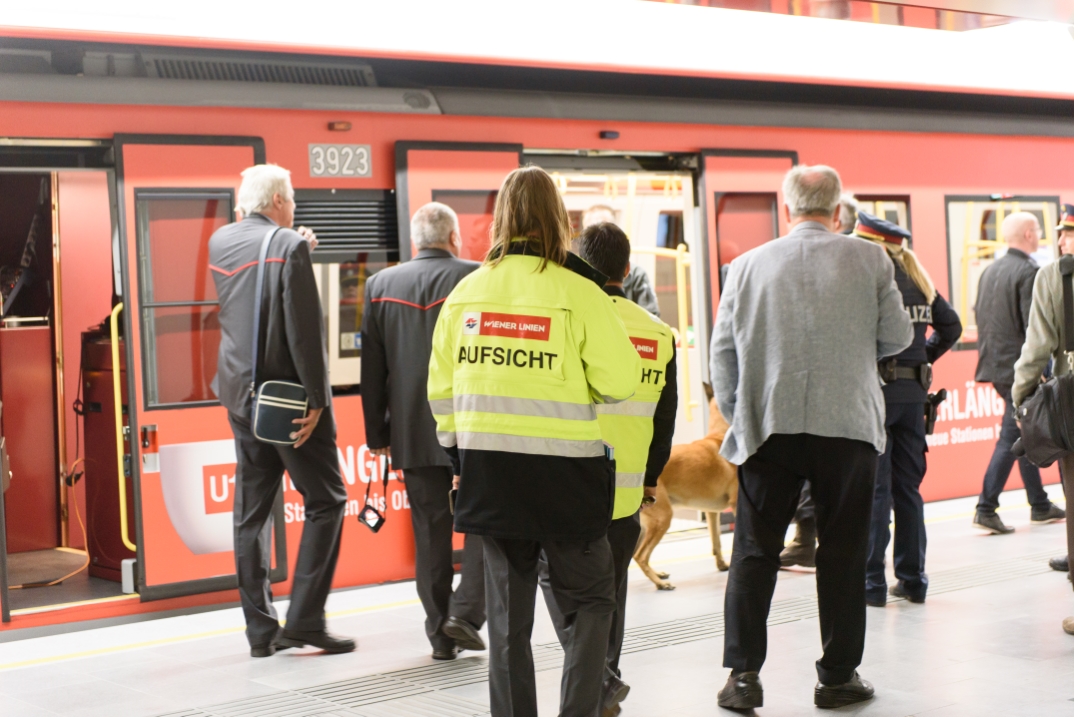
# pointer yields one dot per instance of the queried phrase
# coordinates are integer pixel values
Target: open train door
(740, 192)
(466, 176)
(173, 192)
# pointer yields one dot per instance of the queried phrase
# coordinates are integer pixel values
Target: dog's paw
(722, 567)
(665, 586)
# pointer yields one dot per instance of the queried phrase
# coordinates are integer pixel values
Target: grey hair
(812, 191)
(259, 183)
(432, 225)
(848, 212)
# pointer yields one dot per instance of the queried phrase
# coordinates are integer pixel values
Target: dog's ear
(709, 394)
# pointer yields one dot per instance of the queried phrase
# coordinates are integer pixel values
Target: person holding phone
(524, 351)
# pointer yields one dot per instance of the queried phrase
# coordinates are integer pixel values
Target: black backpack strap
(1066, 269)
(257, 303)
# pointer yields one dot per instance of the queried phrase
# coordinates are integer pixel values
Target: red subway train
(121, 145)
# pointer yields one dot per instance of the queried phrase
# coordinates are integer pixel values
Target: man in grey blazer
(292, 349)
(801, 324)
(402, 304)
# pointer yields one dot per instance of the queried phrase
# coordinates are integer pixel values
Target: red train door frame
(463, 175)
(177, 553)
(725, 173)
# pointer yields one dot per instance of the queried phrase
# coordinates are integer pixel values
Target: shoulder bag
(276, 404)
(1047, 414)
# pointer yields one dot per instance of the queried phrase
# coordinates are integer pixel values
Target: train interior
(56, 388)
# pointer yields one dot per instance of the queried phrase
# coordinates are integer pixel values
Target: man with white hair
(802, 321)
(291, 348)
(1004, 299)
(401, 307)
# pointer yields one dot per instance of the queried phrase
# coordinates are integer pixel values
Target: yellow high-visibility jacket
(520, 359)
(628, 426)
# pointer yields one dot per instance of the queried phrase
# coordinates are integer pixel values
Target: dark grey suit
(402, 305)
(292, 348)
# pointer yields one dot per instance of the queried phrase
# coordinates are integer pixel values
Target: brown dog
(696, 476)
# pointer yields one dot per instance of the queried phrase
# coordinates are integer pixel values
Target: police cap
(1066, 220)
(870, 227)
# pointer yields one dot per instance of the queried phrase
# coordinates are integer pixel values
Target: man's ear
(787, 213)
(626, 273)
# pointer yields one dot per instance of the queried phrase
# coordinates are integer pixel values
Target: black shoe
(263, 650)
(446, 653)
(899, 590)
(742, 692)
(1061, 564)
(991, 523)
(463, 633)
(848, 693)
(876, 601)
(1049, 515)
(329, 643)
(613, 692)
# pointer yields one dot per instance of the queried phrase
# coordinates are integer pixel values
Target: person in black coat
(1004, 298)
(292, 349)
(402, 304)
(902, 465)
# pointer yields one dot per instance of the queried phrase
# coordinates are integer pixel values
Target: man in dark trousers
(402, 304)
(1004, 298)
(292, 349)
(801, 323)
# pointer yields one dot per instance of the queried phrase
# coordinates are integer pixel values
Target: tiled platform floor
(987, 642)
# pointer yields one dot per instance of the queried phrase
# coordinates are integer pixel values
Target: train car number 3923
(340, 160)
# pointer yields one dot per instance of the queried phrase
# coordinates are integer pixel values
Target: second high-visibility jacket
(628, 426)
(521, 357)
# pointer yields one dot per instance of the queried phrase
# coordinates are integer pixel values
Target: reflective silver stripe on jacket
(641, 409)
(473, 441)
(447, 439)
(540, 408)
(629, 480)
(609, 399)
(442, 406)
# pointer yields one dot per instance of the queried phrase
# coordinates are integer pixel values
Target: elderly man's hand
(308, 424)
(309, 236)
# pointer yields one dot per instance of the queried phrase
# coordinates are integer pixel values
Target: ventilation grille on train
(180, 67)
(348, 220)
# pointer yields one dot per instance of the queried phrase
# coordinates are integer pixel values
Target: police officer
(640, 431)
(908, 376)
(523, 349)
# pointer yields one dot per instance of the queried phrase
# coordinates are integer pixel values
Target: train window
(474, 208)
(180, 326)
(893, 209)
(974, 242)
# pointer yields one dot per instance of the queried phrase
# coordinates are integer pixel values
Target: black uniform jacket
(664, 418)
(402, 304)
(1004, 297)
(946, 330)
(292, 324)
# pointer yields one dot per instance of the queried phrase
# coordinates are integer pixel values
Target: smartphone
(452, 495)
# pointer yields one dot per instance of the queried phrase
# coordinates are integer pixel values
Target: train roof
(1027, 59)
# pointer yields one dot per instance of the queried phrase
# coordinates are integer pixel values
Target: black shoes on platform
(848, 693)
(743, 691)
(1061, 564)
(899, 590)
(329, 643)
(1049, 515)
(612, 693)
(446, 653)
(464, 634)
(991, 523)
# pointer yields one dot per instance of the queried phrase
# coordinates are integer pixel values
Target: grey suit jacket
(292, 324)
(402, 304)
(801, 324)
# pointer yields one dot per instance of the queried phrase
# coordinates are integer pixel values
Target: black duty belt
(891, 371)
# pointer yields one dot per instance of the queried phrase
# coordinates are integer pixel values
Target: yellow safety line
(66, 605)
(185, 638)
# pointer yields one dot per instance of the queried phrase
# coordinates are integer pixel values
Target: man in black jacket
(1004, 298)
(291, 349)
(402, 305)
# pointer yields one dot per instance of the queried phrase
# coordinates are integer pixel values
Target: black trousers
(841, 473)
(623, 538)
(314, 469)
(999, 468)
(898, 484)
(427, 490)
(582, 580)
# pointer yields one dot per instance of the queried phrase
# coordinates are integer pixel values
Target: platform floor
(987, 642)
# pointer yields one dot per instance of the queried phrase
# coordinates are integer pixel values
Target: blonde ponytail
(908, 262)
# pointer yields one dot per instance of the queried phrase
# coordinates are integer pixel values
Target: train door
(466, 176)
(173, 193)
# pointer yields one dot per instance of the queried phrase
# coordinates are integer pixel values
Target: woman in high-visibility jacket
(524, 349)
